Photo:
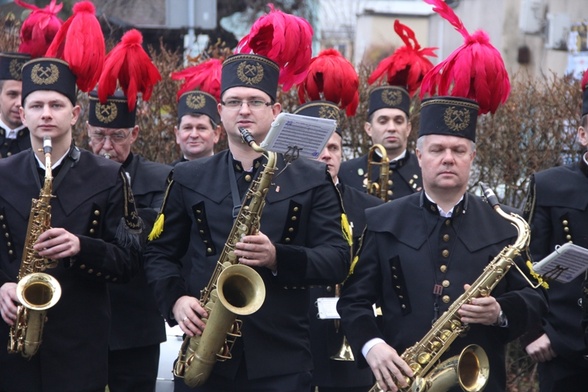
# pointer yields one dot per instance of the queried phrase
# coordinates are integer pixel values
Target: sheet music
(299, 135)
(564, 264)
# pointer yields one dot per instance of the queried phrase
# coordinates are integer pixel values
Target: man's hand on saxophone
(8, 302)
(57, 243)
(388, 367)
(256, 251)
(188, 312)
(481, 310)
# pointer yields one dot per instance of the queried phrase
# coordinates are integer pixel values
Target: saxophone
(379, 188)
(470, 369)
(234, 289)
(36, 291)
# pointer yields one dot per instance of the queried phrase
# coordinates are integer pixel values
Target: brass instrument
(344, 353)
(36, 291)
(379, 188)
(470, 369)
(234, 289)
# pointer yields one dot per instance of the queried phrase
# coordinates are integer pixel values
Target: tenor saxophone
(233, 290)
(378, 188)
(470, 369)
(36, 291)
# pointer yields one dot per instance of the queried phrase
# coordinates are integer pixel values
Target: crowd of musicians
(345, 268)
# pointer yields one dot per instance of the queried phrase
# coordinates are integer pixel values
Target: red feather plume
(39, 28)
(80, 43)
(584, 82)
(130, 65)
(407, 66)
(331, 77)
(283, 38)
(205, 76)
(475, 70)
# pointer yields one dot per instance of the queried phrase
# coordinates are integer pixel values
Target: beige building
(537, 37)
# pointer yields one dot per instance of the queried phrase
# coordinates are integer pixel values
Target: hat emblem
(250, 73)
(106, 113)
(15, 68)
(195, 101)
(391, 97)
(457, 120)
(329, 112)
(44, 75)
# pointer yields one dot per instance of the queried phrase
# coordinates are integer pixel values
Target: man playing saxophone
(419, 253)
(299, 242)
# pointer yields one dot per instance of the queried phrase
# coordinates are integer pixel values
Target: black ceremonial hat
(394, 97)
(11, 65)
(114, 113)
(250, 70)
(453, 116)
(48, 74)
(585, 102)
(198, 102)
(321, 109)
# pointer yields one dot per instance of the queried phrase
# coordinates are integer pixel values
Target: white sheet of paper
(564, 264)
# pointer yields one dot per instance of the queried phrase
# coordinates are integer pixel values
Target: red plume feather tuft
(283, 38)
(407, 66)
(584, 82)
(128, 63)
(80, 43)
(331, 77)
(475, 70)
(205, 76)
(39, 28)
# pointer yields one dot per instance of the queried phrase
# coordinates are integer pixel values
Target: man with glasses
(137, 327)
(299, 242)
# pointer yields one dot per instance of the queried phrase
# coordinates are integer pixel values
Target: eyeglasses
(115, 138)
(255, 104)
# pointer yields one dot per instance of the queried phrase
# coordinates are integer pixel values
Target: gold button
(10, 252)
(433, 208)
(6, 235)
(9, 154)
(248, 177)
(208, 250)
(90, 271)
(4, 226)
(567, 229)
(91, 231)
(401, 296)
(83, 266)
(199, 211)
(94, 222)
(447, 222)
(443, 268)
(296, 209)
(329, 289)
(403, 306)
(445, 283)
(445, 253)
(201, 231)
(565, 222)
(395, 276)
(114, 279)
(9, 244)
(445, 237)
(287, 239)
(107, 277)
(256, 165)
(1, 217)
(568, 237)
(293, 218)
(390, 183)
(446, 299)
(96, 212)
(390, 193)
(290, 229)
(98, 273)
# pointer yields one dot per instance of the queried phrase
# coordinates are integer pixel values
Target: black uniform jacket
(89, 201)
(326, 335)
(406, 248)
(136, 321)
(302, 217)
(558, 213)
(404, 176)
(10, 147)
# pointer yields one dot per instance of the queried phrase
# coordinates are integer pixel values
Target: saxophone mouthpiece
(489, 194)
(246, 136)
(106, 155)
(47, 147)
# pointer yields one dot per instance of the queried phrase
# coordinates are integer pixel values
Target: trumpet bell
(345, 353)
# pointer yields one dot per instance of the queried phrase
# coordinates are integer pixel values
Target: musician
(89, 238)
(559, 214)
(388, 121)
(199, 128)
(420, 252)
(14, 136)
(137, 328)
(300, 241)
(331, 375)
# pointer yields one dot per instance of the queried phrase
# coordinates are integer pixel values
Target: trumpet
(378, 158)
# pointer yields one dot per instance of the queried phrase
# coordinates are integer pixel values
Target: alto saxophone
(471, 368)
(380, 187)
(234, 289)
(36, 291)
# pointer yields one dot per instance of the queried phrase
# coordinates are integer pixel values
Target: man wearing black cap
(198, 128)
(420, 252)
(93, 237)
(387, 125)
(300, 241)
(137, 328)
(14, 136)
(558, 213)
(332, 373)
